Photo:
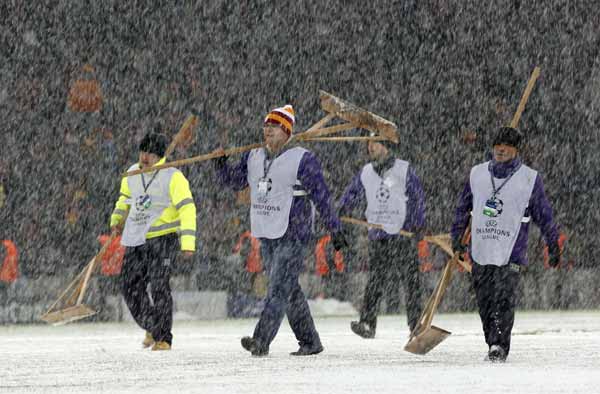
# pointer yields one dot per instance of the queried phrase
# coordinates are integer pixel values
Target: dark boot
(308, 350)
(497, 354)
(251, 345)
(363, 329)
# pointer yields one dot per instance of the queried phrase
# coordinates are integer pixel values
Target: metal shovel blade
(426, 340)
(68, 315)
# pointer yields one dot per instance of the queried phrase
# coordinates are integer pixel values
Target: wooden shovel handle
(350, 220)
(66, 290)
(197, 159)
(321, 132)
(234, 151)
(188, 125)
(530, 84)
(441, 240)
(316, 130)
(440, 289)
(89, 269)
(427, 313)
(345, 139)
(326, 119)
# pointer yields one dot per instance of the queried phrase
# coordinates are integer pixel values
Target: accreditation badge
(493, 207)
(264, 186)
(143, 202)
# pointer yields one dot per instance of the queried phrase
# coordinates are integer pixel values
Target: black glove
(554, 255)
(331, 265)
(458, 247)
(339, 241)
(220, 162)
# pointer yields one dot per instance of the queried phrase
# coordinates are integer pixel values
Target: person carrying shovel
(161, 218)
(500, 197)
(395, 201)
(284, 184)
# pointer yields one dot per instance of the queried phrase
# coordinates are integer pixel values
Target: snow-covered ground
(552, 352)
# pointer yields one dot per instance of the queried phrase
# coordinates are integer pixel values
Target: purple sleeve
(353, 195)
(235, 176)
(463, 212)
(415, 206)
(311, 177)
(541, 212)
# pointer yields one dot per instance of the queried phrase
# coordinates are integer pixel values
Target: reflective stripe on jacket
(179, 216)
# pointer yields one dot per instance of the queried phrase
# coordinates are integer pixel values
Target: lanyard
(149, 183)
(267, 164)
(496, 191)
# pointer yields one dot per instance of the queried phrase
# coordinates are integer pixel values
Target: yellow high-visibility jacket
(178, 217)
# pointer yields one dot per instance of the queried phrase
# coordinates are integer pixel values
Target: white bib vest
(386, 197)
(493, 235)
(271, 194)
(145, 206)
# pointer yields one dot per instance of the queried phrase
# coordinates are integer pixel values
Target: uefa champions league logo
(382, 194)
(262, 199)
(143, 203)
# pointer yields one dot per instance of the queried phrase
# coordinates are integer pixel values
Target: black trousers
(390, 259)
(496, 293)
(151, 264)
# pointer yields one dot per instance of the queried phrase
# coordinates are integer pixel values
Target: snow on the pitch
(552, 353)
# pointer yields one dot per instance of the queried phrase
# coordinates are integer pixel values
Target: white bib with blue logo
(496, 222)
(271, 194)
(145, 206)
(386, 197)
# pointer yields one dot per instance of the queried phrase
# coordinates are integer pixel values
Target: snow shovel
(69, 306)
(426, 336)
(354, 118)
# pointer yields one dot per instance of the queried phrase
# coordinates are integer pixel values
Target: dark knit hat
(508, 136)
(154, 143)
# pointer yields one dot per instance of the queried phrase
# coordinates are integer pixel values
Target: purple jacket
(539, 210)
(415, 209)
(311, 177)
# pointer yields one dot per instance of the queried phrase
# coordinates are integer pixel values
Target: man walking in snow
(284, 184)
(161, 216)
(501, 197)
(395, 200)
